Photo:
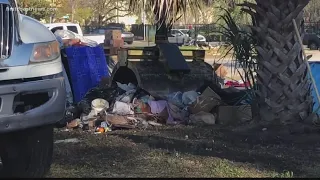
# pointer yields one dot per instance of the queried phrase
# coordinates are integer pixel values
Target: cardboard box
(114, 51)
(205, 102)
(112, 34)
(232, 115)
(108, 42)
(114, 43)
(118, 43)
(220, 70)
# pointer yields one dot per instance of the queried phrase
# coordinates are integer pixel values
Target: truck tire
(130, 42)
(27, 153)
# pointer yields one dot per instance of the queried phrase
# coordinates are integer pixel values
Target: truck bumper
(50, 112)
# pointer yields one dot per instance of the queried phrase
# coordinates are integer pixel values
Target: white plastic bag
(126, 87)
(122, 108)
(66, 34)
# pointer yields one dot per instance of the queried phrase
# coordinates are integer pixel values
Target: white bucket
(99, 105)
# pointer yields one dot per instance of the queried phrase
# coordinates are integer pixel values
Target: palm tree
(284, 89)
(165, 11)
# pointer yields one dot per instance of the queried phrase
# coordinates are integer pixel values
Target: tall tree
(312, 11)
(38, 9)
(106, 11)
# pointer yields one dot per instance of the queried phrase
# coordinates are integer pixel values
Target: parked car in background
(184, 36)
(311, 40)
(177, 37)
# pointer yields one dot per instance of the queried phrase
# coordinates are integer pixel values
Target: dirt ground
(187, 151)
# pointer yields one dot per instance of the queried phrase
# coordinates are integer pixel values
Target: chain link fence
(312, 27)
(209, 31)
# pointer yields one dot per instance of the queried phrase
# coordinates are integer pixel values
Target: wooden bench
(152, 53)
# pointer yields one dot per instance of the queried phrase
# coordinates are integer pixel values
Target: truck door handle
(3, 70)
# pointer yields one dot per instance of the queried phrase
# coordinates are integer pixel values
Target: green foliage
(37, 9)
(285, 174)
(81, 14)
(242, 44)
(235, 11)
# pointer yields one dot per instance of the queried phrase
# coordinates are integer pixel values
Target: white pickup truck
(76, 29)
(97, 36)
(32, 93)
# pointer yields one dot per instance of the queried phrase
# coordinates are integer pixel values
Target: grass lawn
(187, 151)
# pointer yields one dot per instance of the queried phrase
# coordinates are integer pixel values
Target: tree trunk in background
(284, 89)
(161, 32)
(162, 29)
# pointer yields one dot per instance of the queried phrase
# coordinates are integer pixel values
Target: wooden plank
(142, 57)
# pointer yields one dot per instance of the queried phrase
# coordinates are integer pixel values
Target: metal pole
(144, 20)
(306, 59)
(117, 12)
(148, 36)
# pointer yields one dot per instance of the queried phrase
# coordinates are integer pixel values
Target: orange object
(101, 129)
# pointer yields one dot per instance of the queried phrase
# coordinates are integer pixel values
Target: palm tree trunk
(284, 89)
(162, 27)
(161, 32)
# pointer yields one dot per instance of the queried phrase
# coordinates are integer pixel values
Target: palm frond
(166, 11)
(243, 45)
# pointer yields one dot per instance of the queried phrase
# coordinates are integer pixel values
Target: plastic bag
(127, 97)
(88, 42)
(189, 97)
(108, 93)
(202, 118)
(126, 87)
(176, 99)
(66, 34)
(121, 108)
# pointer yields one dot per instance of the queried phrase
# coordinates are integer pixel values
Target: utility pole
(144, 19)
(117, 11)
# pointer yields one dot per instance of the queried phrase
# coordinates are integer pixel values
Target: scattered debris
(152, 123)
(122, 106)
(205, 102)
(99, 105)
(72, 140)
(202, 118)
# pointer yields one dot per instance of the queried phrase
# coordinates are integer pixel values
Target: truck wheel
(130, 42)
(27, 153)
(313, 46)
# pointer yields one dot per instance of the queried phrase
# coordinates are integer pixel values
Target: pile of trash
(122, 106)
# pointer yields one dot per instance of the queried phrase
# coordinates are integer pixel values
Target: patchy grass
(185, 152)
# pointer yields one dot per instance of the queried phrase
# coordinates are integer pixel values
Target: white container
(99, 105)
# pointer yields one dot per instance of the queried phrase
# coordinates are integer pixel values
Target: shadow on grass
(269, 151)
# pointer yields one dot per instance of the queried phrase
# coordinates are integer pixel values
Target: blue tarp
(315, 70)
